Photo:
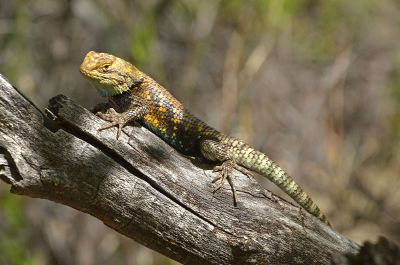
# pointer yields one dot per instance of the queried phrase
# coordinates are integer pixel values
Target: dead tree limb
(144, 189)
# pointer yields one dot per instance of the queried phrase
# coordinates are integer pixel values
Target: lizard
(135, 96)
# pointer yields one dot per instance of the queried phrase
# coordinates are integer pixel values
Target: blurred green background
(313, 83)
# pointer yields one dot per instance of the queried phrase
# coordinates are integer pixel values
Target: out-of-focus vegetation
(315, 84)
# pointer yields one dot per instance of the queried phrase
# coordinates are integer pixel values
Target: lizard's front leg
(136, 110)
(216, 151)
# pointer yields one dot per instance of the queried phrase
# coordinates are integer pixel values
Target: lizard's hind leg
(216, 151)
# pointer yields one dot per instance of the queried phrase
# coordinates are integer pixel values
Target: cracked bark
(146, 190)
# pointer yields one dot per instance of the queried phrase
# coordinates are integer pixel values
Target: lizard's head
(109, 74)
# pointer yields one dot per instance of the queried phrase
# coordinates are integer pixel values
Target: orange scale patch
(175, 120)
(152, 120)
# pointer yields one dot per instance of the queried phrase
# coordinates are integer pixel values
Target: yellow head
(109, 74)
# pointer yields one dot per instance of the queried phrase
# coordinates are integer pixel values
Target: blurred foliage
(12, 231)
(394, 90)
(313, 83)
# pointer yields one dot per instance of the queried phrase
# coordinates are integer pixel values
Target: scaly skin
(138, 97)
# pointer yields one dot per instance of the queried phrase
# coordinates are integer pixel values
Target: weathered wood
(383, 252)
(144, 189)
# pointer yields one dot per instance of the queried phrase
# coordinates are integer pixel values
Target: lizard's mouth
(104, 86)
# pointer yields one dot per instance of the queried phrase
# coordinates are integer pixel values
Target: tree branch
(144, 189)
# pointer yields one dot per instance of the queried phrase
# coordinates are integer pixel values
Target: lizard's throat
(108, 91)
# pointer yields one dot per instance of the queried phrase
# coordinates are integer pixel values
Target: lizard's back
(169, 120)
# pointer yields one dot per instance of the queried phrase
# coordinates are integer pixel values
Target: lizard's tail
(260, 163)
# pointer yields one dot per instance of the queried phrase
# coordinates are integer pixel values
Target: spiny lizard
(138, 97)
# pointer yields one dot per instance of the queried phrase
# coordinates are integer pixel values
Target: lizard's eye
(105, 67)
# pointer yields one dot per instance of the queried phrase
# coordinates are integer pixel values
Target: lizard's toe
(218, 168)
(245, 171)
(110, 115)
(106, 126)
(216, 178)
(120, 126)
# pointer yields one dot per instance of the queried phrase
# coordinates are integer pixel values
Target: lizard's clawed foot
(116, 119)
(224, 173)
